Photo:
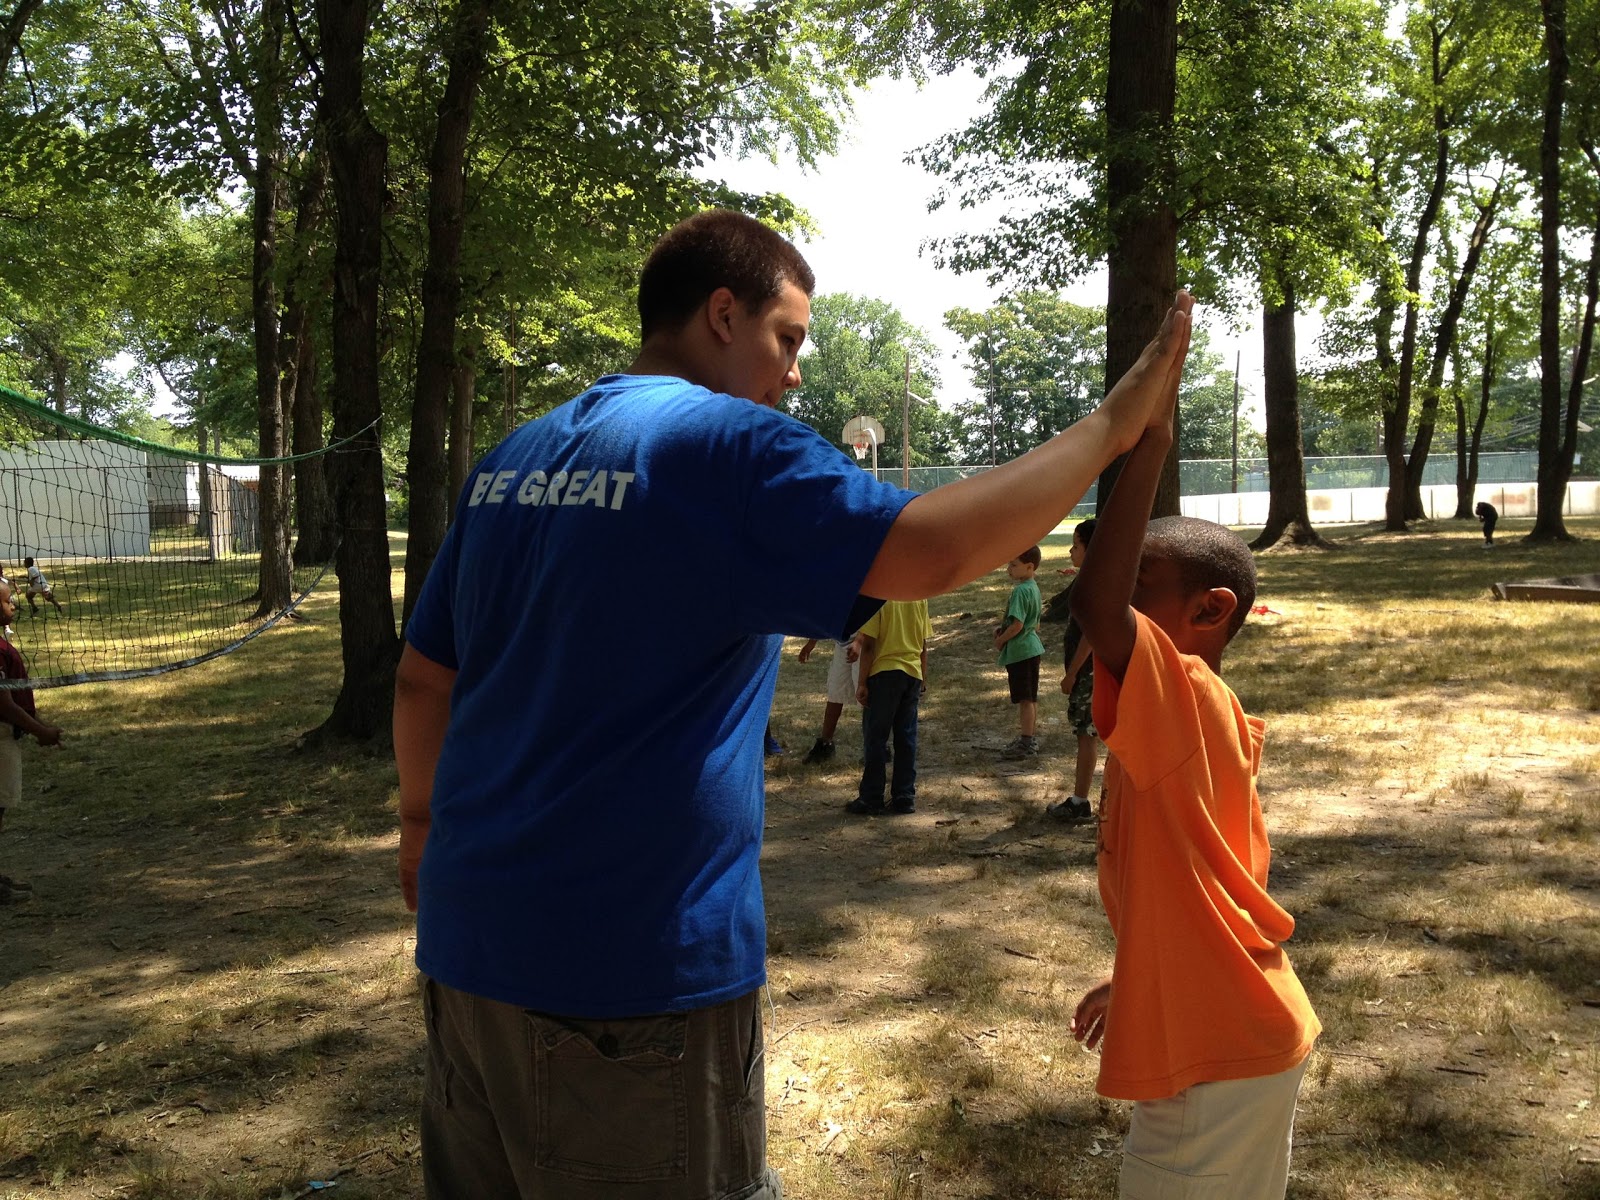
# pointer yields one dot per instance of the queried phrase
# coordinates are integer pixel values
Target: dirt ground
(210, 993)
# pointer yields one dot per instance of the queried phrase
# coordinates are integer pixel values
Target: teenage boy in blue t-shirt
(583, 857)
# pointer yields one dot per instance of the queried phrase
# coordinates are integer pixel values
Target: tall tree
(267, 103)
(1124, 134)
(1286, 220)
(1141, 91)
(1439, 125)
(1488, 208)
(357, 154)
(467, 51)
(1288, 513)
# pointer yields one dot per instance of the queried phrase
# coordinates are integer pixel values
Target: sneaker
(16, 885)
(903, 806)
(861, 808)
(1074, 810)
(774, 747)
(820, 752)
(1023, 747)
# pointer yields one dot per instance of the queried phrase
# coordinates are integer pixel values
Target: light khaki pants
(1213, 1141)
(520, 1105)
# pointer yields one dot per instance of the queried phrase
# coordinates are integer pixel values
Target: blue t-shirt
(612, 596)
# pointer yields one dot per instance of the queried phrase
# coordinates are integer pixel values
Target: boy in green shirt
(1020, 649)
(894, 674)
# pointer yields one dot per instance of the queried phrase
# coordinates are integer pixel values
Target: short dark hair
(1031, 556)
(27, 562)
(1208, 556)
(1084, 530)
(713, 249)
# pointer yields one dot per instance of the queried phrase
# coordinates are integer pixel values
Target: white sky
(871, 210)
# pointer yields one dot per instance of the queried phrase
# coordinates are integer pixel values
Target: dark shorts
(1024, 679)
(1080, 703)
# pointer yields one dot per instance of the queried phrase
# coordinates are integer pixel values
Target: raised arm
(1102, 595)
(953, 534)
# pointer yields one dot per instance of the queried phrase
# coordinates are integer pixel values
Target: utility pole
(991, 397)
(1236, 355)
(905, 428)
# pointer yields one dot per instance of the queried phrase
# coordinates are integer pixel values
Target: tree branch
(15, 24)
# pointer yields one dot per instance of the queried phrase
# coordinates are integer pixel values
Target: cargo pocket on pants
(610, 1097)
(1143, 1180)
(749, 1110)
(436, 1070)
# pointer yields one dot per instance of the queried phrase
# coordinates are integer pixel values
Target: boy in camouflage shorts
(1078, 683)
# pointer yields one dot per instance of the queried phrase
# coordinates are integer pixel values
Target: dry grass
(211, 996)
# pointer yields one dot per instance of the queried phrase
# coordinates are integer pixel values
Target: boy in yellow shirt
(894, 674)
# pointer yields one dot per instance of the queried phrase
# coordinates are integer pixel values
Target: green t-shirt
(1025, 605)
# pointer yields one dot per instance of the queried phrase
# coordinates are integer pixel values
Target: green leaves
(855, 366)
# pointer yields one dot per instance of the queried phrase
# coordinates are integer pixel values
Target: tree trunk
(1443, 346)
(1398, 418)
(1548, 524)
(1552, 485)
(58, 380)
(427, 476)
(317, 533)
(300, 373)
(464, 387)
(276, 584)
(1466, 436)
(1287, 512)
(202, 524)
(1387, 304)
(15, 23)
(1141, 84)
(357, 155)
(313, 508)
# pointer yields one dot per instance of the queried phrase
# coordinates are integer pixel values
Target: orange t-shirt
(1202, 988)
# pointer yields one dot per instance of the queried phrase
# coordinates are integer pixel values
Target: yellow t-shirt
(1202, 990)
(899, 628)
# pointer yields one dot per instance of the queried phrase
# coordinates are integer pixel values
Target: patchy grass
(211, 993)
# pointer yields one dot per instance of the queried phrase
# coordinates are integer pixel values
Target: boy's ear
(719, 314)
(1212, 608)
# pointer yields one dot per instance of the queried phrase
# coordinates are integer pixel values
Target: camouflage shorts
(1080, 703)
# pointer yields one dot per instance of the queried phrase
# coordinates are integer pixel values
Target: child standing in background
(18, 718)
(1020, 649)
(894, 674)
(1078, 683)
(38, 585)
(1489, 515)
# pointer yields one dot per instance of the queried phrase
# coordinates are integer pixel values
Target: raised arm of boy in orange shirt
(1103, 593)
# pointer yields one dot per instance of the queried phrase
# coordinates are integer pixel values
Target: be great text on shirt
(564, 488)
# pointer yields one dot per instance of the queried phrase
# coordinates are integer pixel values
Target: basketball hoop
(862, 446)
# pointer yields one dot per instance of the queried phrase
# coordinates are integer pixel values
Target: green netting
(145, 556)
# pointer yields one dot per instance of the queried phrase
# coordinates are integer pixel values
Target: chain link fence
(1210, 477)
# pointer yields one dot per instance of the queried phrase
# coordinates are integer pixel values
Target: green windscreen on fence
(145, 558)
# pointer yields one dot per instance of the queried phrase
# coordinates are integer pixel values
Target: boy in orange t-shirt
(1203, 1023)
